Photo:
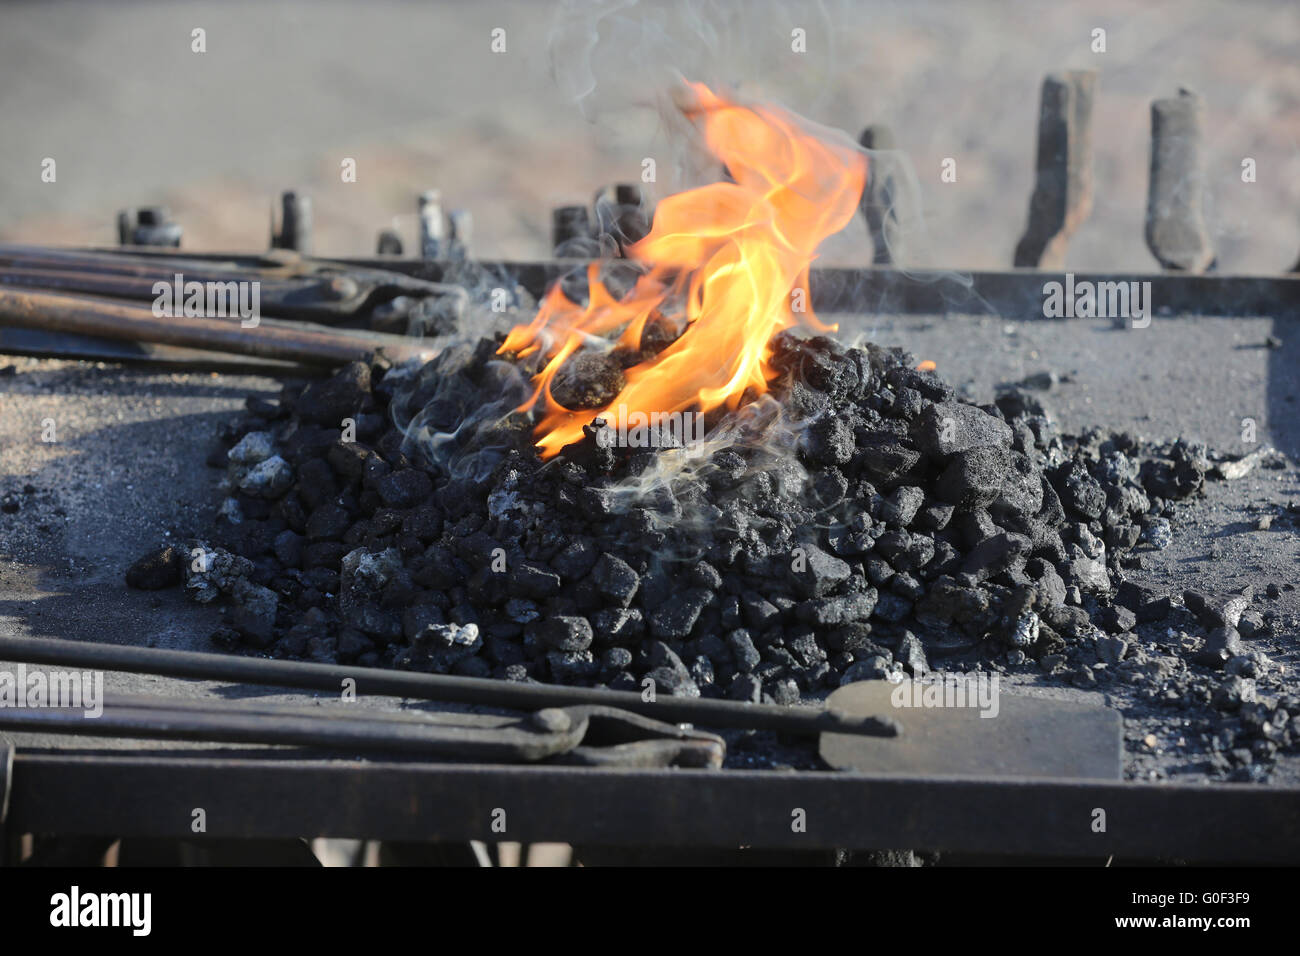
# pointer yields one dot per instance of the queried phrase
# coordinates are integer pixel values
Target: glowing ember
(929, 365)
(729, 261)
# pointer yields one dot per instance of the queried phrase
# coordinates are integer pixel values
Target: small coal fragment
(974, 477)
(341, 396)
(564, 633)
(405, 488)
(158, 569)
(1221, 644)
(813, 572)
(674, 621)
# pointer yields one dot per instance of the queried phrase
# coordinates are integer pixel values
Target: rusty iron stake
(295, 223)
(389, 243)
(153, 226)
(621, 214)
(569, 222)
(882, 194)
(1062, 197)
(1176, 232)
(433, 230)
(460, 234)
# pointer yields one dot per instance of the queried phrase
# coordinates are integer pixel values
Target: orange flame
(732, 256)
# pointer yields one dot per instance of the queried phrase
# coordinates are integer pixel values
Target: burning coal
(727, 264)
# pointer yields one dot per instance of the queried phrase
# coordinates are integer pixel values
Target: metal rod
(269, 339)
(161, 722)
(1009, 294)
(466, 690)
(336, 710)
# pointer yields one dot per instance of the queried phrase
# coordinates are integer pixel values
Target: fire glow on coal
(727, 266)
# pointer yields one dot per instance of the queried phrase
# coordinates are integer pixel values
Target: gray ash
(898, 525)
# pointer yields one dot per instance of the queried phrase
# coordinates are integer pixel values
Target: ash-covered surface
(877, 526)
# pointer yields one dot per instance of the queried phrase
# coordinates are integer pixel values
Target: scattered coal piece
(158, 569)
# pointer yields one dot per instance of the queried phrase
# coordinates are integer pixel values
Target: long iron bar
(288, 341)
(441, 687)
(160, 722)
(1011, 293)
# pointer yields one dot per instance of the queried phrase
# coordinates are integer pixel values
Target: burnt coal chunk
(821, 362)
(308, 442)
(329, 522)
(531, 580)
(341, 396)
(948, 428)
(423, 522)
(900, 506)
(1117, 619)
(829, 486)
(885, 460)
(935, 516)
(1145, 602)
(906, 405)
(576, 559)
(587, 380)
(899, 371)
(161, 568)
(891, 608)
(996, 554)
(323, 554)
(288, 548)
(745, 687)
(847, 609)
(563, 633)
(675, 620)
(1021, 495)
(405, 488)
(348, 459)
(759, 613)
(572, 667)
(813, 573)
(620, 626)
(905, 551)
(1221, 644)
(615, 580)
(1079, 492)
(743, 651)
(316, 484)
(973, 478)
(1180, 475)
(675, 683)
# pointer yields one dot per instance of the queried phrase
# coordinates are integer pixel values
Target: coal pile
(862, 523)
(892, 524)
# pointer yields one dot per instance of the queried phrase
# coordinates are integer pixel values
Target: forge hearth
(835, 514)
(886, 528)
